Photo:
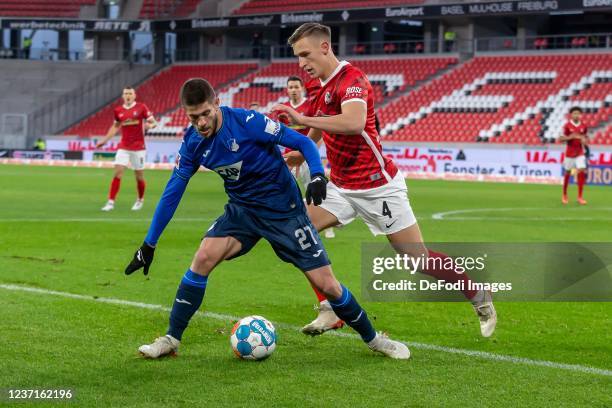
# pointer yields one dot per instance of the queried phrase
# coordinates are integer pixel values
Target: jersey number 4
(385, 210)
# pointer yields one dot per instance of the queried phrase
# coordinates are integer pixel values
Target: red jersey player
(575, 136)
(301, 104)
(133, 118)
(364, 183)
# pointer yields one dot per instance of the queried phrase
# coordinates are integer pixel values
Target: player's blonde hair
(310, 30)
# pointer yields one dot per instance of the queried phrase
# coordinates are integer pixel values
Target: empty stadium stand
(161, 92)
(282, 6)
(43, 8)
(504, 99)
(165, 8)
(267, 85)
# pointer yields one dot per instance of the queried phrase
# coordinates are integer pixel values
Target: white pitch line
(449, 215)
(95, 219)
(224, 317)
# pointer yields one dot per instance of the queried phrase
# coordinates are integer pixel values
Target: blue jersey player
(264, 202)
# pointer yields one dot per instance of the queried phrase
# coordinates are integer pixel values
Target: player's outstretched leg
(326, 319)
(190, 294)
(346, 307)
(187, 301)
(410, 241)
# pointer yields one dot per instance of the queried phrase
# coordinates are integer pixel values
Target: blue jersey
(245, 154)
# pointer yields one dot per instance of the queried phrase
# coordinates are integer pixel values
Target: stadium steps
(420, 83)
(503, 99)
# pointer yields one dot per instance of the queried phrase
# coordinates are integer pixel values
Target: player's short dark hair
(575, 108)
(196, 91)
(295, 78)
(310, 29)
(129, 88)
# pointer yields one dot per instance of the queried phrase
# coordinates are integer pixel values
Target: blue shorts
(295, 240)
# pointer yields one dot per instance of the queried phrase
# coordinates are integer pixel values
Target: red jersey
(356, 161)
(574, 147)
(302, 108)
(132, 125)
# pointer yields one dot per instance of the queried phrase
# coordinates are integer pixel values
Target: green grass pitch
(53, 236)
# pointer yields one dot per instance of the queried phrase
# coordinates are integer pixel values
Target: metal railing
(544, 42)
(44, 54)
(140, 56)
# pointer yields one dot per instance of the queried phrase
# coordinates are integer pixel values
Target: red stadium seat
(43, 8)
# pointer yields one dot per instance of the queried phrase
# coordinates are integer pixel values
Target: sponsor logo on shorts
(390, 224)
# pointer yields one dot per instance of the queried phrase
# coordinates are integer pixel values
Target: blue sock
(347, 309)
(187, 301)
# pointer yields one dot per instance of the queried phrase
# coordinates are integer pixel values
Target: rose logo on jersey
(354, 92)
(327, 98)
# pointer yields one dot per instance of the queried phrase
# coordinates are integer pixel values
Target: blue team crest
(233, 145)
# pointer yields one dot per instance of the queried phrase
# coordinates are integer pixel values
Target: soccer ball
(253, 338)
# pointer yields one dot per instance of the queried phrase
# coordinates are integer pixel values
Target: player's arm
(295, 158)
(268, 131)
(164, 212)
(112, 131)
(351, 121)
(150, 123)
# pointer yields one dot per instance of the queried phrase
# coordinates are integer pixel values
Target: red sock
(114, 189)
(320, 297)
(449, 275)
(581, 180)
(141, 188)
(566, 178)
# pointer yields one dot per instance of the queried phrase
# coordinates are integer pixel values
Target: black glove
(142, 258)
(316, 191)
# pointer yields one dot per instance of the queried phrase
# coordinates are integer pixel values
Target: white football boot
(390, 348)
(329, 233)
(138, 205)
(109, 206)
(326, 320)
(483, 305)
(162, 346)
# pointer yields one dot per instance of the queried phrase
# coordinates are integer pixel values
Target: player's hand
(294, 159)
(294, 116)
(142, 259)
(316, 191)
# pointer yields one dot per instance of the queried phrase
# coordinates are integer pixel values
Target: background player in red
(133, 118)
(576, 139)
(364, 183)
(301, 103)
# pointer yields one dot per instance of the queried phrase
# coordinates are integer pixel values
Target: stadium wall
(477, 162)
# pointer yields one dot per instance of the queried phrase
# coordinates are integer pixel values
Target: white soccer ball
(253, 338)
